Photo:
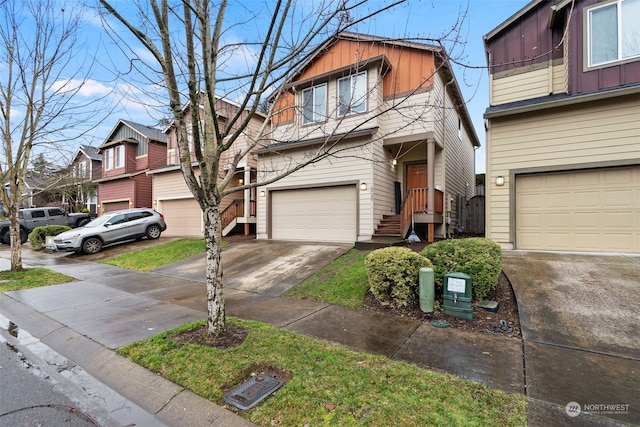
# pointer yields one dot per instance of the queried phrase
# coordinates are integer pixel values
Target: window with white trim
(613, 33)
(82, 170)
(352, 94)
(108, 159)
(314, 104)
(119, 156)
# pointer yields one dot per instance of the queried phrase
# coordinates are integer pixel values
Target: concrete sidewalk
(123, 306)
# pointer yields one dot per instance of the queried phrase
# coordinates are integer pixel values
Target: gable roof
(89, 151)
(440, 58)
(146, 132)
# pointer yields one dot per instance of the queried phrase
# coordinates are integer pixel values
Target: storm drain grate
(252, 391)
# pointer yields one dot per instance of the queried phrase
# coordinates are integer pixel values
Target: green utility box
(457, 295)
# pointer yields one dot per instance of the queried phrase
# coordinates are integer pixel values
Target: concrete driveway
(580, 324)
(262, 266)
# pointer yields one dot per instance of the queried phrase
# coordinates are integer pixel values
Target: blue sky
(429, 18)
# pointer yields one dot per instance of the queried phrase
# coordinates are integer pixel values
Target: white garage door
(592, 211)
(327, 214)
(183, 217)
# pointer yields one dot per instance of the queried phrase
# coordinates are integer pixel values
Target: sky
(426, 18)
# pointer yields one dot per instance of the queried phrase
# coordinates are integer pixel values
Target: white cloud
(86, 88)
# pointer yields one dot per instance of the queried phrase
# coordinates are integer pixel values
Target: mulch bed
(483, 321)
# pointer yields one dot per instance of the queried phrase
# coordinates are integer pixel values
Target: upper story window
(352, 94)
(119, 156)
(613, 33)
(82, 170)
(108, 159)
(314, 104)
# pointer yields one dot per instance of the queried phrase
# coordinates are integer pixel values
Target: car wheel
(92, 245)
(24, 236)
(82, 222)
(153, 232)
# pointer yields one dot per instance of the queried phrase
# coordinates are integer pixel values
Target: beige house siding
(602, 133)
(508, 87)
(560, 78)
(348, 168)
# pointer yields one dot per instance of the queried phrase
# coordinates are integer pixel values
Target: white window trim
(108, 159)
(318, 116)
(618, 5)
(118, 158)
(349, 109)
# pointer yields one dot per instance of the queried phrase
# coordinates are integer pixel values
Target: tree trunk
(16, 243)
(215, 295)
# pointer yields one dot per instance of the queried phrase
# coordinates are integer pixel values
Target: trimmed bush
(37, 237)
(393, 274)
(478, 257)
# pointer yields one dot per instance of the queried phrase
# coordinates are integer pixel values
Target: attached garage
(322, 214)
(595, 210)
(115, 206)
(183, 217)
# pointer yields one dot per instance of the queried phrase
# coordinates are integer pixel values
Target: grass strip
(153, 257)
(329, 385)
(31, 278)
(341, 282)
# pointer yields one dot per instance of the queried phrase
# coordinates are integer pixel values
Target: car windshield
(98, 222)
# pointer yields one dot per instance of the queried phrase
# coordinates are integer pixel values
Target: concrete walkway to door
(580, 323)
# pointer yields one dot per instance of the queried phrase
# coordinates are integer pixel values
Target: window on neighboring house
(108, 159)
(142, 148)
(119, 156)
(459, 128)
(82, 170)
(613, 33)
(352, 94)
(314, 104)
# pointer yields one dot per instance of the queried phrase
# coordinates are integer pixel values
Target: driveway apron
(580, 329)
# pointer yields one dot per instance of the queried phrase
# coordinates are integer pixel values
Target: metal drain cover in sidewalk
(252, 391)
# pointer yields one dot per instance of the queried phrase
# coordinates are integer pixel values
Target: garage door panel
(326, 214)
(183, 217)
(597, 210)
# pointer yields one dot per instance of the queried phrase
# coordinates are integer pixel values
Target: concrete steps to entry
(389, 226)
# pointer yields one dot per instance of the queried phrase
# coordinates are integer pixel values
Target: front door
(416, 176)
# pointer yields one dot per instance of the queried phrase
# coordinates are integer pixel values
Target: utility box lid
(458, 284)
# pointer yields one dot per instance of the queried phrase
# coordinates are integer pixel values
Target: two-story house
(84, 170)
(401, 140)
(563, 127)
(173, 198)
(128, 152)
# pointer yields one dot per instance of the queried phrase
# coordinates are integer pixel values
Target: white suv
(112, 227)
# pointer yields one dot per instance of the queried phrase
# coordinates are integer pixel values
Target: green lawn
(31, 278)
(342, 282)
(329, 384)
(160, 255)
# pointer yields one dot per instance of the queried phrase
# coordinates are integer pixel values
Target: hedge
(393, 274)
(37, 237)
(478, 257)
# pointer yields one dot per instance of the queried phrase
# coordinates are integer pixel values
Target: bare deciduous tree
(42, 75)
(197, 58)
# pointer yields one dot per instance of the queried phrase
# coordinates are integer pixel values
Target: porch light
(363, 186)
(240, 181)
(394, 162)
(500, 181)
(262, 193)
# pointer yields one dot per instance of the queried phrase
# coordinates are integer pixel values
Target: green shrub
(37, 237)
(478, 257)
(393, 274)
